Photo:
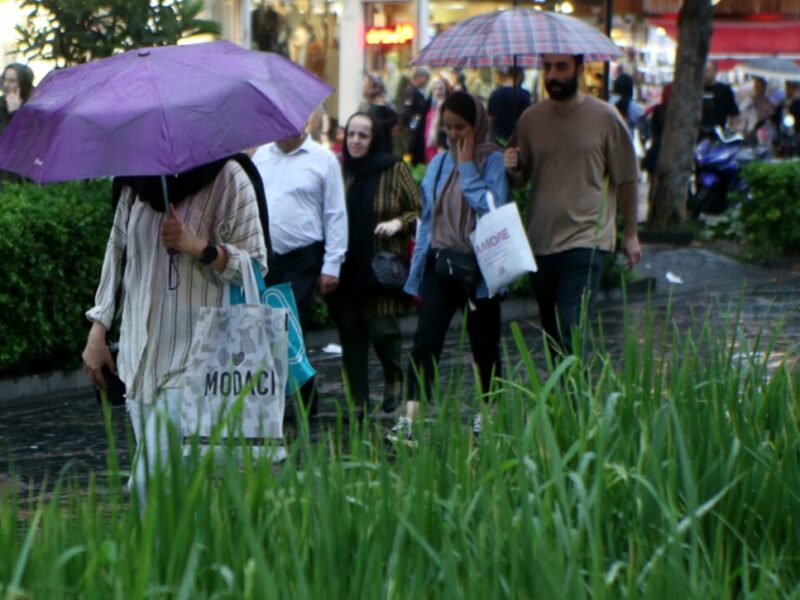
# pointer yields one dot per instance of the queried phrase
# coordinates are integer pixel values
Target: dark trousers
(384, 335)
(440, 300)
(300, 268)
(559, 285)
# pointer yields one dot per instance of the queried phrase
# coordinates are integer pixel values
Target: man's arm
(628, 198)
(334, 226)
(512, 161)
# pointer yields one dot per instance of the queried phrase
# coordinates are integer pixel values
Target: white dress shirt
(158, 323)
(305, 196)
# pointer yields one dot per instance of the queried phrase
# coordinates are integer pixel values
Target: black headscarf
(149, 189)
(362, 175)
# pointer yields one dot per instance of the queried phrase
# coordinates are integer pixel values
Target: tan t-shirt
(569, 154)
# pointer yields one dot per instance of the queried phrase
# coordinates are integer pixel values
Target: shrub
(52, 247)
(770, 214)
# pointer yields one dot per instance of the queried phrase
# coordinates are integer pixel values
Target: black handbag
(390, 271)
(115, 389)
(458, 267)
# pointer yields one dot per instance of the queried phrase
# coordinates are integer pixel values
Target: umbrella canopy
(515, 36)
(157, 111)
(773, 68)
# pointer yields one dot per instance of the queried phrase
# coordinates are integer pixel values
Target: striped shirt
(158, 323)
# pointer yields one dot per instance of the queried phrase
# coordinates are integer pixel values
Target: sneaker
(477, 424)
(389, 405)
(402, 431)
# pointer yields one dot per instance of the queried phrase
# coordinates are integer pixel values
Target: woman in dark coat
(383, 203)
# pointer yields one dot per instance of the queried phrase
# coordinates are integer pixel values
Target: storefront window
(304, 31)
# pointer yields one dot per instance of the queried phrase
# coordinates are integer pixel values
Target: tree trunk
(670, 184)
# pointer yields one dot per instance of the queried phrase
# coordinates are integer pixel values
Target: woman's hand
(96, 355)
(465, 148)
(176, 236)
(389, 228)
(13, 101)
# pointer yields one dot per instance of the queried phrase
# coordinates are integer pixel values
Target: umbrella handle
(173, 277)
(165, 194)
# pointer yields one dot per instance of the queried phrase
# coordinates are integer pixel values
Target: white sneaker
(402, 431)
(477, 424)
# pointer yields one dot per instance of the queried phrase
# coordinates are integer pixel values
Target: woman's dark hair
(24, 79)
(461, 104)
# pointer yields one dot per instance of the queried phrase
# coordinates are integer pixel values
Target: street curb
(60, 385)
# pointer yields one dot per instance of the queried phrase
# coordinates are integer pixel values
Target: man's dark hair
(578, 60)
(462, 104)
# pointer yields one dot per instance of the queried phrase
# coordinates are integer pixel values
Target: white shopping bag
(238, 352)
(501, 246)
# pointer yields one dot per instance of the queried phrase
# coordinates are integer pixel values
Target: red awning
(733, 41)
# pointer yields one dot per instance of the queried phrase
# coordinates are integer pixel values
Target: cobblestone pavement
(68, 435)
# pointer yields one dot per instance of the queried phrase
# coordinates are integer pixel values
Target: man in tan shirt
(579, 156)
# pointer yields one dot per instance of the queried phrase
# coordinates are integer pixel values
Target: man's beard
(562, 91)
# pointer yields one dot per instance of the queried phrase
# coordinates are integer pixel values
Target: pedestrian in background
(435, 137)
(382, 207)
(719, 102)
(623, 98)
(454, 194)
(412, 114)
(573, 147)
(657, 118)
(507, 103)
(377, 104)
(307, 224)
(17, 88)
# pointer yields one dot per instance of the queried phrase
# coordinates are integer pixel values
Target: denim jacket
(473, 186)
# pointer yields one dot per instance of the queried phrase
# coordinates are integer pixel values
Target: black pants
(384, 335)
(300, 268)
(440, 300)
(560, 284)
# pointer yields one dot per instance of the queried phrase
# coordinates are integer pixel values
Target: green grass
(670, 472)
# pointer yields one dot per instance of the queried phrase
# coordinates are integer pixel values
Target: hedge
(770, 214)
(52, 242)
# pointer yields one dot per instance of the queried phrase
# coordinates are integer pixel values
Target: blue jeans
(562, 280)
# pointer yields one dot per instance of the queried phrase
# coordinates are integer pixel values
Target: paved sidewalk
(67, 434)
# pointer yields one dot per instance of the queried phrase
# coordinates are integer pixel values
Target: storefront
(340, 41)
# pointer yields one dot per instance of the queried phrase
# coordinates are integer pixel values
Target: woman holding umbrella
(382, 207)
(169, 264)
(454, 194)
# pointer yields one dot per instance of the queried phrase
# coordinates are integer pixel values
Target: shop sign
(401, 33)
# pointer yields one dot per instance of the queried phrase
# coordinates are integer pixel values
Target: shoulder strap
(438, 175)
(116, 191)
(261, 197)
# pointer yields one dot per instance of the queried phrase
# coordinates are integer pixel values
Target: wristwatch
(209, 255)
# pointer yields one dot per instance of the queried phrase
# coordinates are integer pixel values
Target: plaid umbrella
(515, 37)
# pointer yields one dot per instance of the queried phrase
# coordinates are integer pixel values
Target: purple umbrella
(157, 111)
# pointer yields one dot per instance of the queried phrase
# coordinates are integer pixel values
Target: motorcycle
(787, 145)
(718, 162)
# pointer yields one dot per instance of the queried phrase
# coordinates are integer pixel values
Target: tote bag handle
(249, 283)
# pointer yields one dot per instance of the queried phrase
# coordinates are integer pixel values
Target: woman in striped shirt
(174, 263)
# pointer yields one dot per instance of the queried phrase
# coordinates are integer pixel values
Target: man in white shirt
(307, 222)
